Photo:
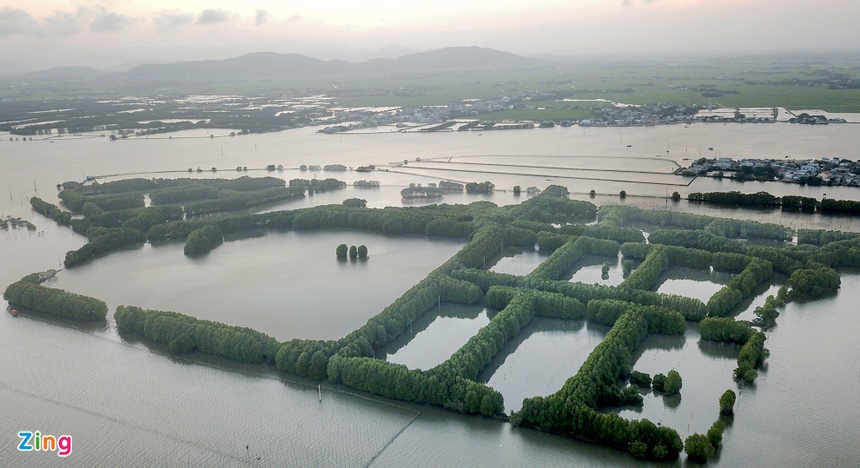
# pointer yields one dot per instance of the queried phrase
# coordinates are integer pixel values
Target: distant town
(466, 115)
(142, 116)
(814, 172)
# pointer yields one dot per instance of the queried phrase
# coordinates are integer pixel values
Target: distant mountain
(62, 73)
(391, 51)
(460, 58)
(126, 66)
(270, 64)
(258, 64)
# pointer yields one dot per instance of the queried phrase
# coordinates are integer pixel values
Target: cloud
(15, 21)
(167, 20)
(105, 20)
(63, 23)
(214, 16)
(261, 17)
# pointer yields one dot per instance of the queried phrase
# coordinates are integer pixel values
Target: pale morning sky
(102, 34)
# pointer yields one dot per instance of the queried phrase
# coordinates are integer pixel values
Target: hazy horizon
(110, 33)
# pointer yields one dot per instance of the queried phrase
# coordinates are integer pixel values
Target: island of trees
(29, 293)
(787, 202)
(581, 408)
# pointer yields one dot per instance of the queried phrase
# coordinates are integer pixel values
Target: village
(825, 171)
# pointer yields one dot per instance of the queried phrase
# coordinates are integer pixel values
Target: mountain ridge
(269, 64)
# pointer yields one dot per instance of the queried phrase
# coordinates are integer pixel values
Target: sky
(108, 33)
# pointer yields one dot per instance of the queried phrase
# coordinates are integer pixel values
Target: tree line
(51, 211)
(788, 202)
(28, 293)
(200, 241)
(399, 382)
(232, 200)
(727, 330)
(692, 309)
(101, 241)
(563, 258)
(185, 334)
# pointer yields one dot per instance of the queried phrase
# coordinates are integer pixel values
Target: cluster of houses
(824, 171)
(650, 114)
(345, 119)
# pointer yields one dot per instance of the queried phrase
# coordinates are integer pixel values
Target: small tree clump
(658, 381)
(673, 383)
(341, 251)
(727, 403)
(627, 266)
(640, 379)
(698, 447)
(715, 434)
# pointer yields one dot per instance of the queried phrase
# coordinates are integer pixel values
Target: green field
(752, 82)
(757, 81)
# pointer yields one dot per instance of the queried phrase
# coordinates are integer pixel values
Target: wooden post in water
(319, 389)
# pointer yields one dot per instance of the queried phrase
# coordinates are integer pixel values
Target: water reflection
(706, 372)
(436, 335)
(746, 309)
(589, 270)
(286, 284)
(717, 349)
(692, 282)
(541, 358)
(517, 261)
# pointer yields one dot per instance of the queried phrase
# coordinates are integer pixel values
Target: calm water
(514, 373)
(706, 370)
(519, 262)
(126, 404)
(690, 282)
(437, 335)
(589, 270)
(287, 283)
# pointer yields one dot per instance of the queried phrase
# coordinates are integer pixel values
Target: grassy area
(751, 82)
(742, 82)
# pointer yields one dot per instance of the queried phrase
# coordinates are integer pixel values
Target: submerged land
(606, 272)
(114, 218)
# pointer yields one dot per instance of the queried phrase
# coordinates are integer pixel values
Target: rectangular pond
(436, 335)
(286, 284)
(518, 262)
(589, 270)
(541, 358)
(691, 282)
(706, 371)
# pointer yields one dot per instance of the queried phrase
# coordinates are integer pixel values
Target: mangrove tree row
(53, 301)
(184, 334)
